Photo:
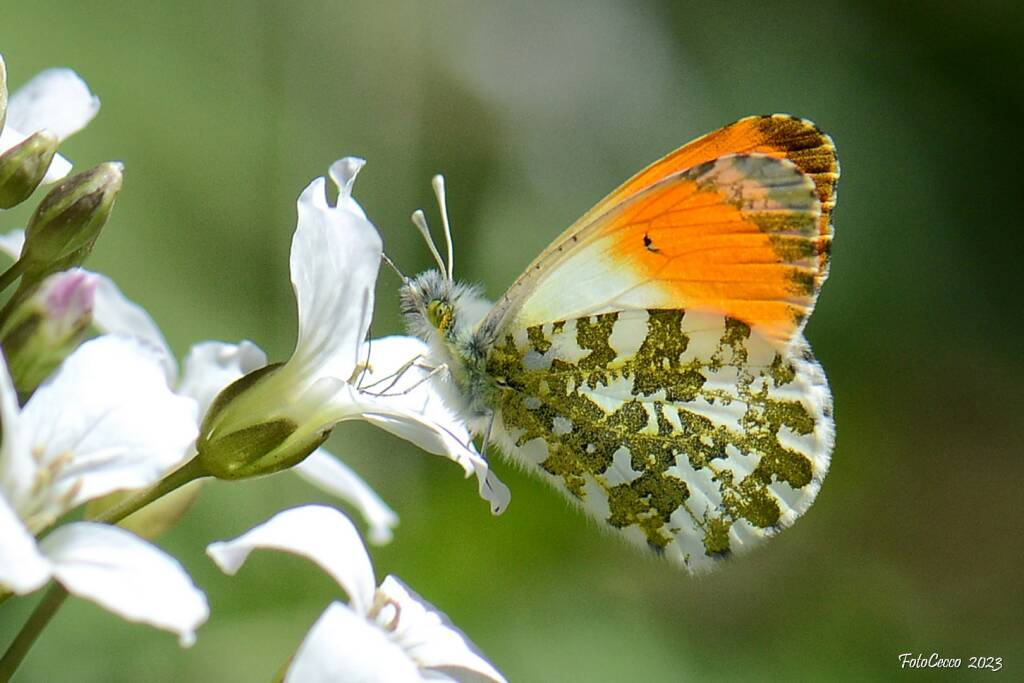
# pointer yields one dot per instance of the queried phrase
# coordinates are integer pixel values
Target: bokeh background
(222, 112)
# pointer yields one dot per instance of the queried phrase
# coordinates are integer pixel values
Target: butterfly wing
(746, 235)
(776, 135)
(684, 431)
(650, 361)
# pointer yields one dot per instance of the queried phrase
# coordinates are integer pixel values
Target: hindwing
(685, 431)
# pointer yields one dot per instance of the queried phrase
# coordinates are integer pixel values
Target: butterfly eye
(440, 314)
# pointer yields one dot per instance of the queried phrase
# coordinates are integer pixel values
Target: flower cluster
(98, 417)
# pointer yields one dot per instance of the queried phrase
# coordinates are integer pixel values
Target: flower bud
(232, 445)
(64, 227)
(23, 167)
(47, 326)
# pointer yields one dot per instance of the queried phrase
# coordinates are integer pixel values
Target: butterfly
(651, 362)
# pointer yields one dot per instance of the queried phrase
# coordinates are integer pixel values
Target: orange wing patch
(738, 236)
(737, 221)
(777, 135)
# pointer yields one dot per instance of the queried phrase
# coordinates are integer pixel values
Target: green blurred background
(222, 112)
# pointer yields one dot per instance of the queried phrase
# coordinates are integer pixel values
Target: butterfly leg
(393, 378)
(443, 367)
(487, 437)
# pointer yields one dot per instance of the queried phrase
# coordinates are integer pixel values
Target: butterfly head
(435, 307)
(427, 304)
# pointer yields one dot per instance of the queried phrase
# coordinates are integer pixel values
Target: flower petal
(13, 242)
(9, 138)
(326, 472)
(428, 636)
(335, 256)
(17, 466)
(22, 568)
(56, 99)
(106, 421)
(342, 646)
(59, 168)
(399, 396)
(431, 437)
(115, 313)
(59, 165)
(210, 366)
(316, 532)
(127, 576)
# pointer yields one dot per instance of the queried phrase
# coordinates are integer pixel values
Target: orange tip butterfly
(651, 362)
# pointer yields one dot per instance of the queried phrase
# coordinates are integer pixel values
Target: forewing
(737, 236)
(685, 431)
(776, 135)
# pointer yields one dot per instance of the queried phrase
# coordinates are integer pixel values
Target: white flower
(105, 421)
(384, 634)
(56, 100)
(335, 256)
(207, 369)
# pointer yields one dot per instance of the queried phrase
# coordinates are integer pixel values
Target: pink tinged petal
(13, 242)
(55, 99)
(316, 532)
(114, 313)
(342, 646)
(323, 470)
(124, 574)
(210, 366)
(22, 568)
(107, 421)
(70, 294)
(334, 260)
(428, 636)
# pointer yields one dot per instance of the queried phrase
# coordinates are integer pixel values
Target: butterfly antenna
(438, 184)
(387, 260)
(420, 221)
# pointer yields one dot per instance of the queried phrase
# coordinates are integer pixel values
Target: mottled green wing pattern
(685, 431)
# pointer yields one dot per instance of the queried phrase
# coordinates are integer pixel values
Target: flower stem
(55, 596)
(190, 471)
(38, 620)
(11, 274)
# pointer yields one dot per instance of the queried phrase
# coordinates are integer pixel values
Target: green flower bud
(64, 227)
(46, 327)
(23, 166)
(232, 448)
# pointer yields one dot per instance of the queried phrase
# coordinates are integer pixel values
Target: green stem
(21, 293)
(11, 274)
(37, 621)
(190, 471)
(55, 596)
